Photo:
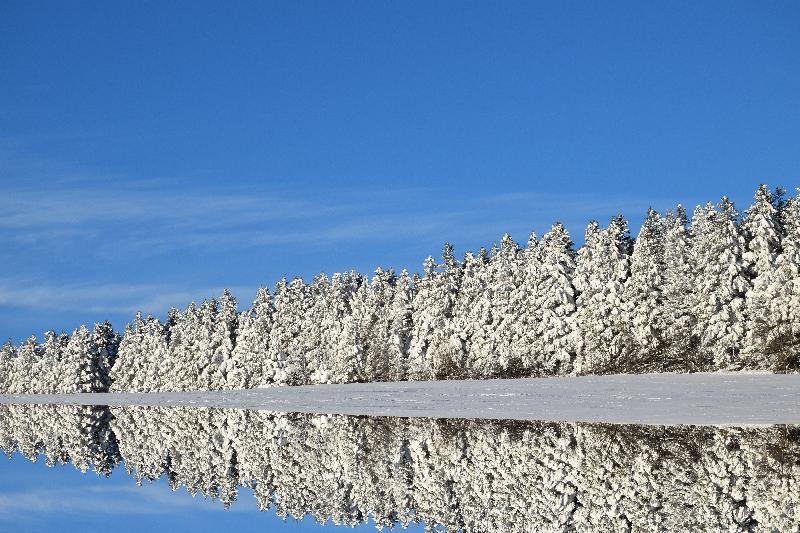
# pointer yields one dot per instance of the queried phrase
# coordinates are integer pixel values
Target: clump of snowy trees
(467, 476)
(63, 363)
(718, 292)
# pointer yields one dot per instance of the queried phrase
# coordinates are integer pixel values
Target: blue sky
(152, 153)
(35, 498)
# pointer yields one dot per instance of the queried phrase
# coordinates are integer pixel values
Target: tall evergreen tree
(553, 340)
(400, 324)
(24, 369)
(721, 284)
(106, 342)
(431, 352)
(246, 367)
(341, 332)
(81, 370)
(603, 338)
(292, 304)
(8, 354)
(475, 317)
(223, 341)
(526, 308)
(776, 329)
(678, 294)
(763, 230)
(506, 274)
(644, 301)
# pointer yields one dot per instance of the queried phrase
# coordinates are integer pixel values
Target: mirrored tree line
(718, 290)
(456, 475)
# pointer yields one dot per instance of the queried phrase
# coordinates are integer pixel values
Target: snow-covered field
(711, 398)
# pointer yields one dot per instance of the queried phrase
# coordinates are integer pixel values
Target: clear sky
(38, 499)
(152, 153)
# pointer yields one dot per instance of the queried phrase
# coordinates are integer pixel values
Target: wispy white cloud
(105, 298)
(155, 498)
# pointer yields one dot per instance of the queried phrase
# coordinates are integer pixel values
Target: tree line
(452, 475)
(718, 290)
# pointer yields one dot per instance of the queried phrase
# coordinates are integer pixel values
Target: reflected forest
(451, 475)
(719, 292)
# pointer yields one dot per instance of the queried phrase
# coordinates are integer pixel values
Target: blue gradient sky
(152, 153)
(35, 498)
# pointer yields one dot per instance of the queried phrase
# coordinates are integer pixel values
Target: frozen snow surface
(701, 399)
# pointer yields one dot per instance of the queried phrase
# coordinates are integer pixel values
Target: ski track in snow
(668, 399)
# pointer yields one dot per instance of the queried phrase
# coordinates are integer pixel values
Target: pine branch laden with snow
(719, 293)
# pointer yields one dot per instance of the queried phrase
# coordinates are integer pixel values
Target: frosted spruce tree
(775, 328)
(106, 342)
(376, 326)
(341, 332)
(400, 324)
(553, 340)
(763, 230)
(525, 308)
(24, 378)
(505, 276)
(446, 348)
(80, 366)
(473, 317)
(644, 302)
(434, 346)
(292, 306)
(678, 295)
(185, 340)
(8, 353)
(603, 340)
(246, 367)
(141, 359)
(721, 284)
(318, 353)
(223, 340)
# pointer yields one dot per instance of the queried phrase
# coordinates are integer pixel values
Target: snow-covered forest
(468, 476)
(714, 290)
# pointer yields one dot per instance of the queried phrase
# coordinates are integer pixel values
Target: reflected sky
(320, 470)
(37, 498)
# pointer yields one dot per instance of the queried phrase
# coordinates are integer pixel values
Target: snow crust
(666, 399)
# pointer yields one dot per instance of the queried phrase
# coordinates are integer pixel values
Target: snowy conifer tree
(106, 342)
(127, 355)
(246, 368)
(376, 326)
(82, 365)
(226, 322)
(722, 283)
(50, 362)
(185, 341)
(24, 378)
(553, 340)
(206, 359)
(506, 274)
(8, 354)
(762, 227)
(340, 331)
(400, 326)
(603, 337)
(473, 317)
(643, 297)
(776, 329)
(427, 317)
(287, 345)
(678, 295)
(314, 330)
(525, 307)
(434, 346)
